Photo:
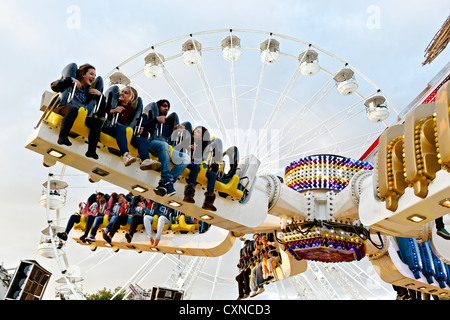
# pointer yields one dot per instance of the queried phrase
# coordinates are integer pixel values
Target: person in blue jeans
(76, 217)
(83, 95)
(199, 141)
(158, 145)
(117, 216)
(126, 112)
(112, 200)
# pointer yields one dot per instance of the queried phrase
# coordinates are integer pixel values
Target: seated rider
(158, 145)
(138, 206)
(106, 210)
(97, 209)
(117, 217)
(243, 278)
(84, 94)
(270, 254)
(126, 112)
(199, 141)
(160, 212)
(256, 277)
(76, 217)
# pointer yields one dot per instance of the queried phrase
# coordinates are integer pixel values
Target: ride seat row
(181, 226)
(227, 184)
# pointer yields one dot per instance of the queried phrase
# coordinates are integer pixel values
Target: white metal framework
(269, 109)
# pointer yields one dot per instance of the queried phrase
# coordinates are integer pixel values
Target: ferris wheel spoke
(285, 92)
(282, 98)
(143, 90)
(210, 96)
(303, 111)
(234, 98)
(300, 115)
(255, 102)
(108, 256)
(331, 120)
(183, 98)
(139, 273)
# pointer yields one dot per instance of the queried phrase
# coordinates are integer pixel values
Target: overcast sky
(385, 40)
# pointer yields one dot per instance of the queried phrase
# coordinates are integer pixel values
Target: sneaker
(91, 238)
(254, 293)
(128, 159)
(160, 190)
(443, 233)
(105, 236)
(170, 189)
(150, 164)
(260, 290)
(83, 238)
(62, 235)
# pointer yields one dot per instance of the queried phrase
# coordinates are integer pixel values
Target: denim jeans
(140, 143)
(120, 220)
(161, 150)
(111, 222)
(210, 175)
(76, 218)
(136, 220)
(256, 277)
(120, 133)
(97, 223)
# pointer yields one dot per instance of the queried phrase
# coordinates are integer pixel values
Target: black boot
(189, 192)
(91, 154)
(209, 200)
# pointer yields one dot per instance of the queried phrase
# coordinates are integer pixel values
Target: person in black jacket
(243, 278)
(159, 145)
(138, 205)
(199, 141)
(83, 95)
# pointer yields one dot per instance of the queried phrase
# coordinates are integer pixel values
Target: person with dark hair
(256, 279)
(270, 255)
(243, 278)
(89, 209)
(110, 201)
(96, 210)
(200, 139)
(159, 145)
(83, 95)
(117, 217)
(138, 206)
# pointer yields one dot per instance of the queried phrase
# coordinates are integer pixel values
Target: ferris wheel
(270, 95)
